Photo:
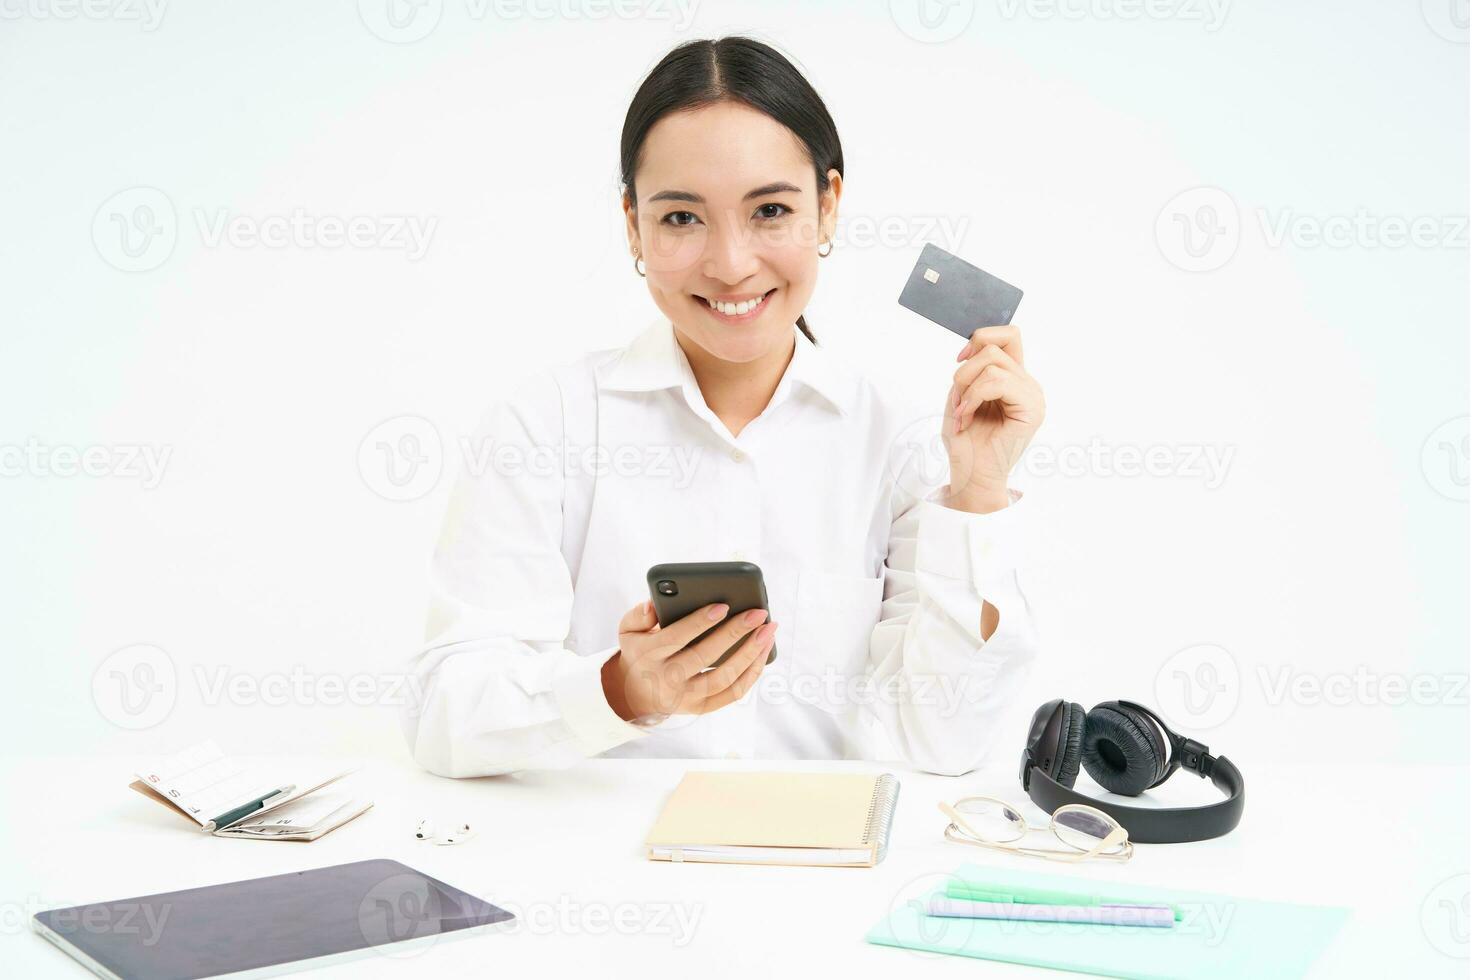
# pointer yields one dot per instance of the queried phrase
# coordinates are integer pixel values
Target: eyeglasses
(1087, 831)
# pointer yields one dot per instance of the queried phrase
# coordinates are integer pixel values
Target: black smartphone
(679, 588)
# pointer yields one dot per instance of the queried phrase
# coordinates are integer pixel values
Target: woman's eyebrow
(776, 187)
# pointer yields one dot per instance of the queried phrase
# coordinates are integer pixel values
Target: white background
(1049, 145)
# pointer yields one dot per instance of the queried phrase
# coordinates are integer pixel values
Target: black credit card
(957, 295)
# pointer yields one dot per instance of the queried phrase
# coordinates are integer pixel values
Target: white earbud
(426, 830)
(460, 832)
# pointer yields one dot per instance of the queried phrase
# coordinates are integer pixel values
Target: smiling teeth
(735, 309)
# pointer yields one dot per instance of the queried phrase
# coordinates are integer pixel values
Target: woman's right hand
(659, 670)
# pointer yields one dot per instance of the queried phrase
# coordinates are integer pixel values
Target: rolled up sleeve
(952, 686)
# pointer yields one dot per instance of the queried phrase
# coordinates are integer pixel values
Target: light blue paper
(1220, 936)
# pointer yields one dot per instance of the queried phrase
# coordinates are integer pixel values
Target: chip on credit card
(957, 295)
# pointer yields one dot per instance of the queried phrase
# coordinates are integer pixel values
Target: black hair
(732, 69)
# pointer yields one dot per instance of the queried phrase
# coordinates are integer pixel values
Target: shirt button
(737, 456)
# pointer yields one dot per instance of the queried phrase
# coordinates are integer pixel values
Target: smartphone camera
(667, 587)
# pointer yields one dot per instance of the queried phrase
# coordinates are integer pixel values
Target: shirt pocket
(835, 615)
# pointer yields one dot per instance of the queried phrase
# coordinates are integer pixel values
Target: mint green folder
(1217, 936)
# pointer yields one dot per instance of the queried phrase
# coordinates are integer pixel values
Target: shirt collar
(654, 361)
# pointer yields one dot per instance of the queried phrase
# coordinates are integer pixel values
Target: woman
(723, 432)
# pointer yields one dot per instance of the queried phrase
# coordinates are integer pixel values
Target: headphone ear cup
(1120, 750)
(1069, 748)
(1151, 734)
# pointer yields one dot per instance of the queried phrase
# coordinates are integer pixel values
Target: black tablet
(268, 926)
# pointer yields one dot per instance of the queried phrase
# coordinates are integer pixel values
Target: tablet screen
(268, 922)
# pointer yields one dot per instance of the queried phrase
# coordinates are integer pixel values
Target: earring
(821, 254)
(636, 260)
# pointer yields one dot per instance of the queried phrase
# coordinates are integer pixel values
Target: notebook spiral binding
(880, 813)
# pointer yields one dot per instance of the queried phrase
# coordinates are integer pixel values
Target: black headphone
(1126, 749)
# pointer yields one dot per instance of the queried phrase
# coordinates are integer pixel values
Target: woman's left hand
(994, 409)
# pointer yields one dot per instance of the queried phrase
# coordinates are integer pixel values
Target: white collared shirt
(601, 467)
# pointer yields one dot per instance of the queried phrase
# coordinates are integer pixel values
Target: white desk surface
(563, 848)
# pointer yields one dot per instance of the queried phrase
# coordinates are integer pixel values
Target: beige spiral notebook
(832, 819)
